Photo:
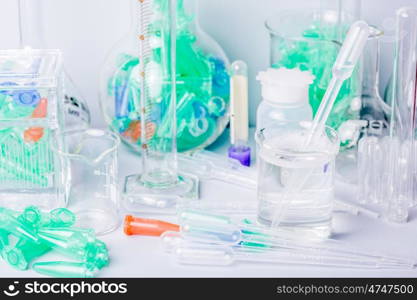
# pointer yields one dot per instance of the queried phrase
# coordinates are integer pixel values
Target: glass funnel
(201, 77)
(77, 113)
(158, 186)
(310, 40)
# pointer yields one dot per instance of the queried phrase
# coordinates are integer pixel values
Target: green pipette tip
(4, 240)
(65, 269)
(11, 224)
(20, 255)
(59, 217)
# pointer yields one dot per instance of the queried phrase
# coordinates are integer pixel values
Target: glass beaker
(202, 82)
(281, 155)
(92, 192)
(311, 40)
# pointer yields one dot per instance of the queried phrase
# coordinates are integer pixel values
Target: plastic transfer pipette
(214, 255)
(239, 122)
(342, 69)
(211, 228)
(207, 165)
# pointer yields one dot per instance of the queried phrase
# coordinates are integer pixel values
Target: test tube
(239, 120)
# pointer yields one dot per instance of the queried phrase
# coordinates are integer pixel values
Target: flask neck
(187, 14)
(30, 26)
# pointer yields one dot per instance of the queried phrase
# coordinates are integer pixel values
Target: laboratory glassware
(403, 121)
(284, 96)
(239, 116)
(391, 182)
(31, 89)
(202, 82)
(301, 39)
(374, 109)
(342, 70)
(282, 157)
(207, 165)
(91, 182)
(77, 113)
(159, 186)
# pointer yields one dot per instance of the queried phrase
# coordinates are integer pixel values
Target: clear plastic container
(203, 82)
(281, 155)
(31, 117)
(92, 189)
(284, 97)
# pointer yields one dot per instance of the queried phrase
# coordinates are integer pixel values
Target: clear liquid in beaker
(310, 208)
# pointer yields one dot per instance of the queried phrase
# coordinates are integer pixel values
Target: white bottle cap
(285, 86)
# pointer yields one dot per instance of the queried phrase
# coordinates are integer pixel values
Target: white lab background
(85, 30)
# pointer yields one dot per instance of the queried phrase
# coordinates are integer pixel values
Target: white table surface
(143, 257)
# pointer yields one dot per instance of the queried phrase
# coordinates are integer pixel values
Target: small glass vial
(284, 97)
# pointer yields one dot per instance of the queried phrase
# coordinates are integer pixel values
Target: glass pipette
(346, 60)
(214, 255)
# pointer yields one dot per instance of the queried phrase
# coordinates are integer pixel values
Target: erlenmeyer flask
(77, 113)
(202, 83)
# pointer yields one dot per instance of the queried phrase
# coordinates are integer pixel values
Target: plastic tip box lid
(29, 68)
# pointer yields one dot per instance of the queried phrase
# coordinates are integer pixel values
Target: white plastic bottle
(284, 97)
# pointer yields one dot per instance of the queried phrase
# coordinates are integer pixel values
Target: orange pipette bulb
(150, 227)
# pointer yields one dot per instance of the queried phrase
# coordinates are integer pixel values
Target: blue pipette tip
(240, 153)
